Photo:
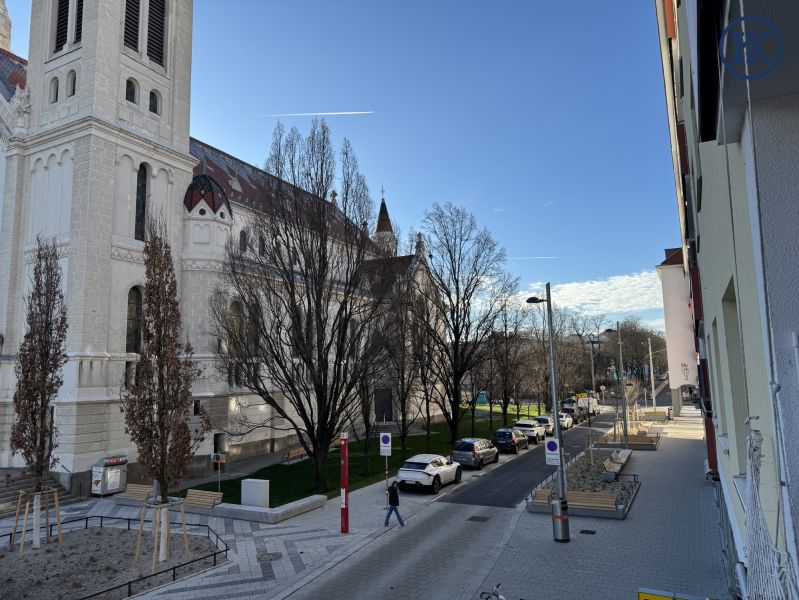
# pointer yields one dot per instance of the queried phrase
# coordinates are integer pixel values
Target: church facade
(95, 134)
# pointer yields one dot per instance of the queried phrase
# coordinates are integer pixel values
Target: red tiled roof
(13, 73)
(205, 188)
(673, 257)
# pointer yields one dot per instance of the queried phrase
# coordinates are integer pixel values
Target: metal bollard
(560, 520)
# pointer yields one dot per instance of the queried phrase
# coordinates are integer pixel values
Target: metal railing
(128, 586)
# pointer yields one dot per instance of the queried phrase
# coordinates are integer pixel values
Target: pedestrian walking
(393, 503)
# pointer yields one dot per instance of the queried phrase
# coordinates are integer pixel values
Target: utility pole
(652, 377)
(621, 386)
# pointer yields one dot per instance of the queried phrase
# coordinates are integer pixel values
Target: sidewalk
(670, 541)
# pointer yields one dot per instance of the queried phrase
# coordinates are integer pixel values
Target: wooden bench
(592, 500)
(612, 466)
(203, 499)
(136, 491)
(621, 456)
(542, 496)
(293, 454)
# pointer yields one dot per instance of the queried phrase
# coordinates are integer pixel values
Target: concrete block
(255, 492)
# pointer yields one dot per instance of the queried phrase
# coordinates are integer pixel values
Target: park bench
(293, 454)
(591, 500)
(136, 491)
(621, 456)
(203, 499)
(613, 467)
(541, 497)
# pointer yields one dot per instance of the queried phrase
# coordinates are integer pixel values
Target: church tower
(100, 143)
(384, 234)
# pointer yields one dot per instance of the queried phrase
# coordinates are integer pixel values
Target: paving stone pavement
(671, 539)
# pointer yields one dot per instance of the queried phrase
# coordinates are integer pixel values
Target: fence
(128, 586)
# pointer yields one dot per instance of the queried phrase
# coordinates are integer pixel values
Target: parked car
(532, 429)
(589, 404)
(566, 421)
(573, 413)
(428, 470)
(548, 423)
(511, 439)
(474, 452)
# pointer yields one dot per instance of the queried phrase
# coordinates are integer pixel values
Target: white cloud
(633, 293)
(656, 324)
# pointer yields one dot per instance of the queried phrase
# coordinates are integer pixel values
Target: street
(437, 553)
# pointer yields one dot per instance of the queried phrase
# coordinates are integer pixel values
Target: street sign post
(219, 459)
(553, 452)
(344, 476)
(385, 450)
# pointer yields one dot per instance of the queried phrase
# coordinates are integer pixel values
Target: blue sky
(545, 119)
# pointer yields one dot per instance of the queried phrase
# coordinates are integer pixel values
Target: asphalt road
(506, 485)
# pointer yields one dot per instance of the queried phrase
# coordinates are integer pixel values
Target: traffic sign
(602, 388)
(553, 452)
(385, 444)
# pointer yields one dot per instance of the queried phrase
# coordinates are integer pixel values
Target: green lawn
(295, 481)
(525, 412)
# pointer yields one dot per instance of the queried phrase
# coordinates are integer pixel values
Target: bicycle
(492, 595)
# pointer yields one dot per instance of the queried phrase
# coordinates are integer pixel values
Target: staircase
(9, 494)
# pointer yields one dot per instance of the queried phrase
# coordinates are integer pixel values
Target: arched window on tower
(242, 242)
(141, 202)
(72, 83)
(133, 333)
(131, 91)
(132, 24)
(54, 90)
(156, 28)
(155, 102)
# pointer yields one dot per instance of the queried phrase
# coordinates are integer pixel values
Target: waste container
(110, 475)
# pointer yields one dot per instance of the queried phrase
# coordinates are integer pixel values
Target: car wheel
(535, 439)
(458, 475)
(516, 448)
(401, 487)
(480, 464)
(436, 484)
(496, 457)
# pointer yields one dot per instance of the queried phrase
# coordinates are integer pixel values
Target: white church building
(94, 128)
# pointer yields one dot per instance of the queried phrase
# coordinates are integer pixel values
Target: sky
(545, 119)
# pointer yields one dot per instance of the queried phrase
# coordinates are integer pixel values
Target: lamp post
(652, 377)
(559, 507)
(621, 382)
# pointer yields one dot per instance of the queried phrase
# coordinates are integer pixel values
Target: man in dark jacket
(393, 503)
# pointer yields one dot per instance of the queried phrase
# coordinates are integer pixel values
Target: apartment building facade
(731, 78)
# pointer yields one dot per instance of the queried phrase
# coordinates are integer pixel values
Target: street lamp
(621, 382)
(559, 507)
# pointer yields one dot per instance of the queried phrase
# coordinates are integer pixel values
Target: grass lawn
(295, 481)
(526, 411)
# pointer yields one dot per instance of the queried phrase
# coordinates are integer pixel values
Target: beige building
(732, 98)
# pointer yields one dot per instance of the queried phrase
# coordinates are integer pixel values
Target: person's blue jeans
(395, 510)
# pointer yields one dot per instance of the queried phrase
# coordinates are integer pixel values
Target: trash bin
(110, 475)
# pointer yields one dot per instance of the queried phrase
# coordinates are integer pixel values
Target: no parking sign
(553, 452)
(385, 444)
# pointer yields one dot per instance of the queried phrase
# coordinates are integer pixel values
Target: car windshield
(503, 435)
(417, 466)
(522, 425)
(463, 447)
(543, 420)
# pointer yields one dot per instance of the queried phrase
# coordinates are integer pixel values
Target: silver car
(548, 423)
(474, 452)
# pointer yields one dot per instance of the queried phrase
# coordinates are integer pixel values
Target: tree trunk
(504, 414)
(164, 543)
(491, 416)
(367, 444)
(37, 511)
(427, 411)
(320, 473)
(474, 407)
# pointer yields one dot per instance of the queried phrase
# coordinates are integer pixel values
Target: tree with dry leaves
(298, 304)
(42, 355)
(158, 406)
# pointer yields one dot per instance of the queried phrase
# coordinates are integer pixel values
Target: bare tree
(426, 319)
(469, 285)
(511, 352)
(158, 406)
(41, 358)
(295, 308)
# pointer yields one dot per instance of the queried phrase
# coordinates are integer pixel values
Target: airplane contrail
(324, 114)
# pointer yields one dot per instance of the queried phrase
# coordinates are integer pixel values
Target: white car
(548, 423)
(566, 422)
(534, 430)
(428, 470)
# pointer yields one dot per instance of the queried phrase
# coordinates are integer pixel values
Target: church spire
(5, 27)
(384, 234)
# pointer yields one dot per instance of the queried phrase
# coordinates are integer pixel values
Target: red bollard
(345, 486)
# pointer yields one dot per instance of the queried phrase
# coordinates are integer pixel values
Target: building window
(132, 24)
(261, 246)
(78, 21)
(235, 372)
(141, 202)
(242, 242)
(155, 102)
(54, 90)
(131, 90)
(61, 24)
(133, 339)
(71, 83)
(156, 28)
